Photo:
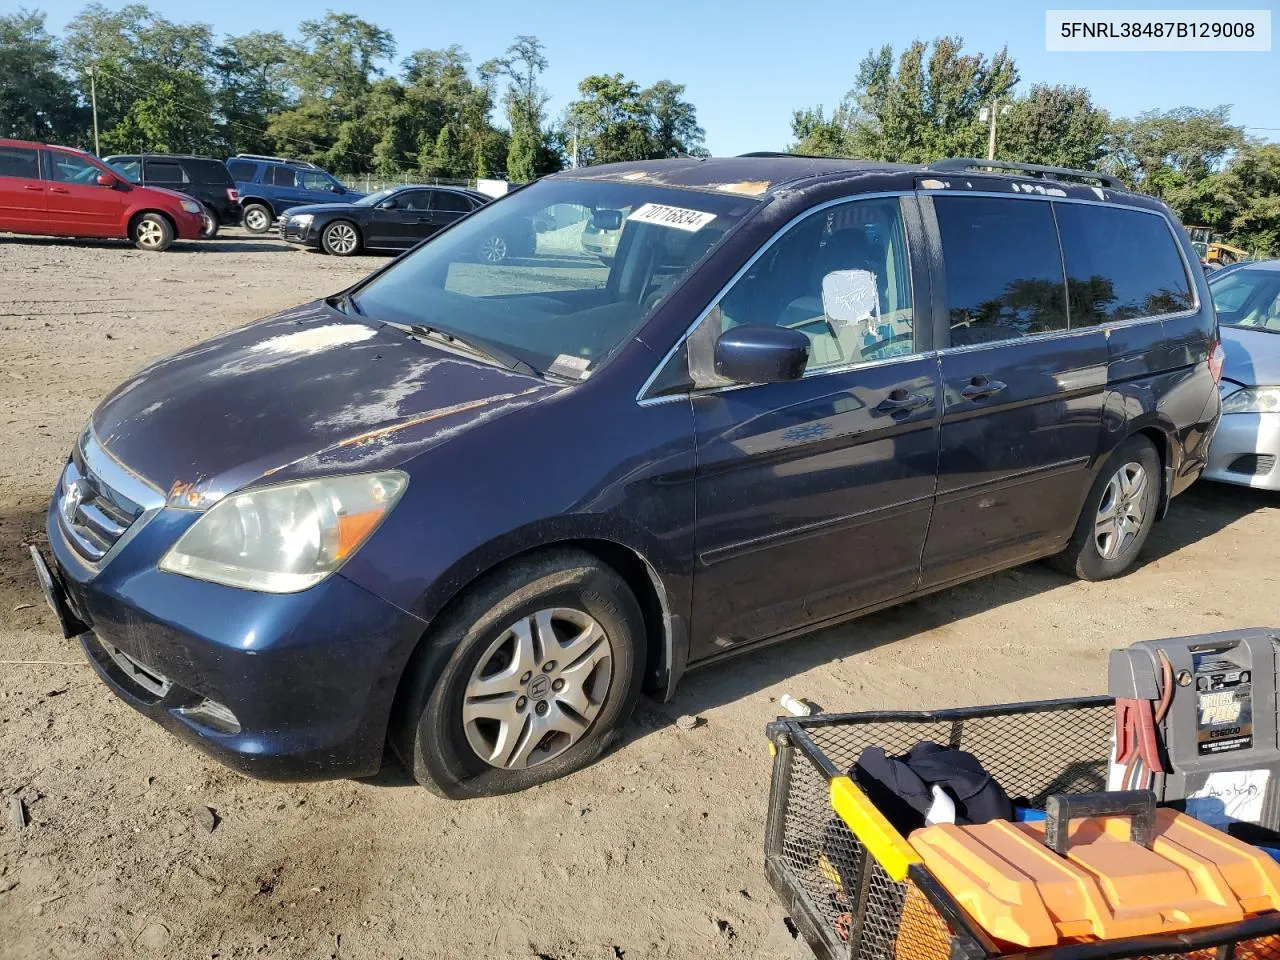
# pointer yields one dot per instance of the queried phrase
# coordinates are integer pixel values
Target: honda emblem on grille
(74, 497)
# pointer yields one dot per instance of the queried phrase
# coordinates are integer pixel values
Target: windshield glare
(375, 198)
(1248, 298)
(558, 274)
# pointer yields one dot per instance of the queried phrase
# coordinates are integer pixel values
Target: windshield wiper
(480, 348)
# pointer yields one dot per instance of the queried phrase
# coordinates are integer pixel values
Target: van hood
(176, 195)
(308, 392)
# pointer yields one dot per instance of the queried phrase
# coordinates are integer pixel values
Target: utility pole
(93, 98)
(988, 115)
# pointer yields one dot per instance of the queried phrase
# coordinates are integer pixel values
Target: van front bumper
(277, 686)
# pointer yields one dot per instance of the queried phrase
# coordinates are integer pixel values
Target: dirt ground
(654, 852)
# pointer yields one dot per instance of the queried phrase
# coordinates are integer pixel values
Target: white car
(1246, 447)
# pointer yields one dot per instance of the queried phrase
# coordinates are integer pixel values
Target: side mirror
(754, 353)
(338, 188)
(107, 180)
(388, 204)
(850, 296)
(606, 219)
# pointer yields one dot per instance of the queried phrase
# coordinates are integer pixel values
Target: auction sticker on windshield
(678, 217)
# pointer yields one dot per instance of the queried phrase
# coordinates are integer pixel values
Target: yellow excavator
(1212, 250)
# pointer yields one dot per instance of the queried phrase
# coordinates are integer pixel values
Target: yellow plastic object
(874, 832)
(1022, 893)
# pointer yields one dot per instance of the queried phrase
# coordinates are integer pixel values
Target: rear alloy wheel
(152, 232)
(340, 239)
(493, 249)
(208, 224)
(257, 218)
(528, 676)
(1117, 516)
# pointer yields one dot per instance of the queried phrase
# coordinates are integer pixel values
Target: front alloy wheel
(340, 239)
(1121, 511)
(538, 688)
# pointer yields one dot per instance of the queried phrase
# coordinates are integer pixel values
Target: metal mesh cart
(854, 896)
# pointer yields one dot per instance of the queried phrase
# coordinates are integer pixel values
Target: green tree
(523, 65)
(1057, 125)
(1253, 180)
(1164, 152)
(253, 85)
(36, 101)
(924, 106)
(674, 121)
(611, 121)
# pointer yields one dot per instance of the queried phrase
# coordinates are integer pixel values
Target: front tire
(152, 232)
(1117, 516)
(546, 667)
(341, 239)
(257, 218)
(208, 224)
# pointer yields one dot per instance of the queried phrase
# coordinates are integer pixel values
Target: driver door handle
(901, 401)
(59, 190)
(980, 388)
(32, 186)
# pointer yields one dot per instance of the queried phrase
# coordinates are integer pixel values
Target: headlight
(192, 207)
(1253, 400)
(302, 219)
(285, 538)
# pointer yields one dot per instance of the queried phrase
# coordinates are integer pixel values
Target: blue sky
(748, 64)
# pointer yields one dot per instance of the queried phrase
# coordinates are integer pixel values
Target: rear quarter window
(243, 170)
(207, 171)
(1122, 264)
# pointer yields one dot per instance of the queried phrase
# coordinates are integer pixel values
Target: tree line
(334, 95)
(926, 103)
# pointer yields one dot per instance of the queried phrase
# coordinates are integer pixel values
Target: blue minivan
(477, 508)
(269, 186)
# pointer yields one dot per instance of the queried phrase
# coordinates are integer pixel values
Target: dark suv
(476, 508)
(271, 185)
(201, 178)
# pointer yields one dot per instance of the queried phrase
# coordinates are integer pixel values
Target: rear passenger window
(163, 171)
(19, 162)
(1121, 264)
(452, 202)
(282, 177)
(206, 171)
(1003, 267)
(243, 170)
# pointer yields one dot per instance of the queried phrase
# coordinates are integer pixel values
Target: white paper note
(1230, 795)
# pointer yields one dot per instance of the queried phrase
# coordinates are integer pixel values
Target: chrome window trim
(644, 401)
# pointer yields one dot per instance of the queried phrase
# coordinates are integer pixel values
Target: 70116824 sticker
(680, 218)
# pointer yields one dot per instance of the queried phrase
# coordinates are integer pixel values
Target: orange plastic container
(1105, 886)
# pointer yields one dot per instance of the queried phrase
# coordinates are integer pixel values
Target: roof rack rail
(784, 153)
(262, 156)
(1031, 169)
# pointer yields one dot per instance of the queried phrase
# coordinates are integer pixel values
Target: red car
(63, 192)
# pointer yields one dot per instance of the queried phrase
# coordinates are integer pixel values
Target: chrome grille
(98, 502)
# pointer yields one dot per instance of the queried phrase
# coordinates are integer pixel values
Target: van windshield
(558, 274)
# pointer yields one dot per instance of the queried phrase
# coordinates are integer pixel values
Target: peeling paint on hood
(279, 393)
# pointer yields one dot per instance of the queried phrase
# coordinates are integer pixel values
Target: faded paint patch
(635, 175)
(931, 184)
(746, 188)
(192, 495)
(315, 339)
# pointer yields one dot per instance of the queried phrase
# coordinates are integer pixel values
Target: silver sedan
(1246, 447)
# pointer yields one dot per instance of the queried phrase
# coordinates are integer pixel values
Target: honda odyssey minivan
(477, 508)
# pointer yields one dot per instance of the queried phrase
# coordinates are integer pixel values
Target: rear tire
(257, 218)
(209, 224)
(1117, 516)
(511, 708)
(341, 238)
(152, 232)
